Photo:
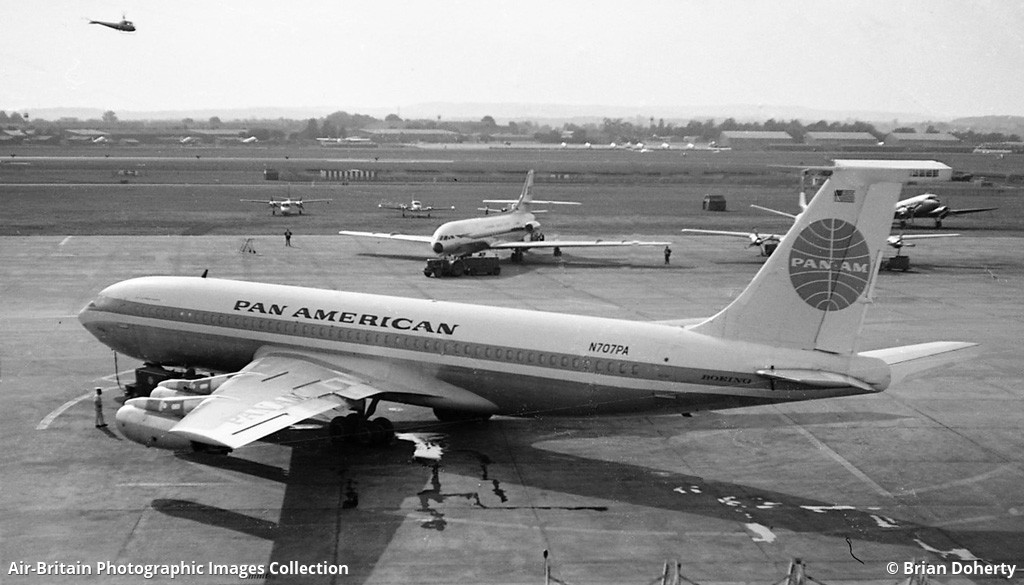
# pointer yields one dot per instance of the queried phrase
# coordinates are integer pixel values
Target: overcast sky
(940, 58)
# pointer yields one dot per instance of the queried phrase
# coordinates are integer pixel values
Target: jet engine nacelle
(531, 226)
(183, 387)
(147, 421)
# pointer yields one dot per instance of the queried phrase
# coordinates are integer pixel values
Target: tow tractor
(471, 265)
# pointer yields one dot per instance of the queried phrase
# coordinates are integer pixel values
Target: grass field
(197, 191)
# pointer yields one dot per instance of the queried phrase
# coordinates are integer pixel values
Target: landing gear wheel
(355, 428)
(382, 430)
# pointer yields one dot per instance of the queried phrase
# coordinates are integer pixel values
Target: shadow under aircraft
(324, 515)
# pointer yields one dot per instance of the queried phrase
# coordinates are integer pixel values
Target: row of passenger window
(395, 340)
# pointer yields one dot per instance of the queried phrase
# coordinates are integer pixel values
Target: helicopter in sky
(124, 24)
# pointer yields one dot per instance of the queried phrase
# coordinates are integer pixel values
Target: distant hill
(554, 114)
(1004, 124)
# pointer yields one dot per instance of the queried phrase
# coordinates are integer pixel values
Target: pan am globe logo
(830, 264)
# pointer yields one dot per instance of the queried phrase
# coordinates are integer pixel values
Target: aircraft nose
(438, 248)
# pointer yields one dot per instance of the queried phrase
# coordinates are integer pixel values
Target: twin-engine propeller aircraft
(928, 205)
(516, 228)
(287, 206)
(123, 25)
(292, 353)
(414, 208)
(768, 242)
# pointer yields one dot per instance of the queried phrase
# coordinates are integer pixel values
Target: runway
(928, 470)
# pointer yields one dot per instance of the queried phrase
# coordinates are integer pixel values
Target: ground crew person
(668, 254)
(288, 237)
(97, 401)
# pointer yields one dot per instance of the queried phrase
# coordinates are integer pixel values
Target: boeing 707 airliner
(286, 353)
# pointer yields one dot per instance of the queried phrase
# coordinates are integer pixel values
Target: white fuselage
(288, 207)
(523, 362)
(924, 205)
(468, 236)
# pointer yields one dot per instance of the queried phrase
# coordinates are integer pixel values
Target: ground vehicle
(471, 265)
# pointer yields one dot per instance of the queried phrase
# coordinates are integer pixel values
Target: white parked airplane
(297, 352)
(516, 228)
(414, 208)
(768, 242)
(286, 206)
(928, 205)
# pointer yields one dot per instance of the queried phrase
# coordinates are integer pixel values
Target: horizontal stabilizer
(909, 360)
(817, 378)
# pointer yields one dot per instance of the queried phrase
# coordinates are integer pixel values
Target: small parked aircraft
(412, 209)
(286, 206)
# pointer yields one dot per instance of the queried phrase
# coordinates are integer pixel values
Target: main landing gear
(357, 428)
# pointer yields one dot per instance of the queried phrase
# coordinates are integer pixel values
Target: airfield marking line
(113, 377)
(171, 484)
(963, 481)
(973, 520)
(64, 241)
(563, 528)
(837, 457)
(48, 419)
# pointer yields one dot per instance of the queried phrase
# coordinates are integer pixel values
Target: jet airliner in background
(516, 228)
(283, 354)
(287, 206)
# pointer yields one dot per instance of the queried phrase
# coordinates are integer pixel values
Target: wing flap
(271, 393)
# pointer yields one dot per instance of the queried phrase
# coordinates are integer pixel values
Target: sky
(937, 58)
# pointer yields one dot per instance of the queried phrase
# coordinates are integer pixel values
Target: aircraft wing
(573, 244)
(282, 387)
(263, 201)
(388, 236)
(744, 235)
(971, 210)
(534, 201)
(775, 211)
(925, 236)
(316, 200)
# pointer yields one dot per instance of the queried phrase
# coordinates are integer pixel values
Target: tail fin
(527, 195)
(814, 289)
(521, 204)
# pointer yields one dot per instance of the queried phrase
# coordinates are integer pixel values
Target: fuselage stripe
(425, 344)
